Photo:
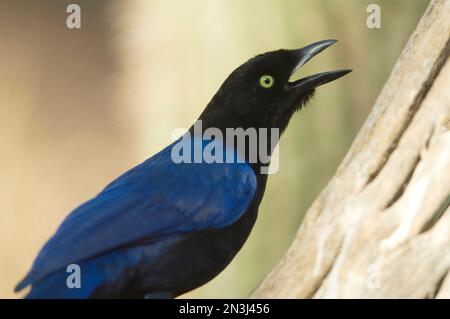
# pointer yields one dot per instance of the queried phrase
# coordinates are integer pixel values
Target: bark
(381, 227)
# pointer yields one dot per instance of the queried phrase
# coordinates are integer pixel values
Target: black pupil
(267, 80)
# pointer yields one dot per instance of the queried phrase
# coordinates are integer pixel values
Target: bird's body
(151, 259)
(164, 228)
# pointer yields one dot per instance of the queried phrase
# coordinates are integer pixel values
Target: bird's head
(259, 93)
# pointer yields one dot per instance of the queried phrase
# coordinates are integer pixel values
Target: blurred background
(80, 106)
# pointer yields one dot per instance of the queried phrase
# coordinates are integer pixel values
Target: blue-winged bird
(164, 228)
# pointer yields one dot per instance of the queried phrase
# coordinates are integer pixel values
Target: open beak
(311, 82)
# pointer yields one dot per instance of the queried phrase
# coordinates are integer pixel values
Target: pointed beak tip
(347, 71)
(331, 41)
(324, 43)
(334, 75)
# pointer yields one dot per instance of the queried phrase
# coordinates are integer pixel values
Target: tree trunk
(381, 227)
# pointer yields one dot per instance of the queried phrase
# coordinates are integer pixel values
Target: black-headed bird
(166, 227)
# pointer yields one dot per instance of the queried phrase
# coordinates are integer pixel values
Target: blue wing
(155, 199)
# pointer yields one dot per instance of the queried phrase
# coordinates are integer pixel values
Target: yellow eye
(266, 81)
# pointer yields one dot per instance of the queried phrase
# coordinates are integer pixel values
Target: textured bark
(381, 227)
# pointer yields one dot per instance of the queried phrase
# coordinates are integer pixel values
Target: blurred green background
(79, 107)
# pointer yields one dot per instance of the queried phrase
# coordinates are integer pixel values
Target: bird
(164, 228)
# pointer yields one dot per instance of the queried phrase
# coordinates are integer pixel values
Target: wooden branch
(381, 227)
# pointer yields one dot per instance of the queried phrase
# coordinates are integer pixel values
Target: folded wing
(155, 199)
